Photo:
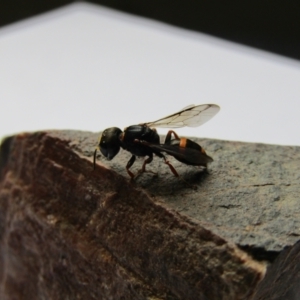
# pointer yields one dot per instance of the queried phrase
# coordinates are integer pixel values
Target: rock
(67, 231)
(249, 196)
(282, 278)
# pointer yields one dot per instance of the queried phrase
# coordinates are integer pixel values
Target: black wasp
(143, 140)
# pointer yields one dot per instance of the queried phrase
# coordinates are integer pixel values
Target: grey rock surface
(250, 194)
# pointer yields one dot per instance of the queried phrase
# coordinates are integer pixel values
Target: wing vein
(190, 116)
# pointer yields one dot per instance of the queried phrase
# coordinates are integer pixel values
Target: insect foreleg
(129, 164)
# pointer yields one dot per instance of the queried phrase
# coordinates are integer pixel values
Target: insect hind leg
(173, 170)
(169, 137)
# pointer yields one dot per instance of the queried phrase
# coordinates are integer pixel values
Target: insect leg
(129, 164)
(169, 136)
(159, 154)
(146, 161)
(173, 170)
(95, 154)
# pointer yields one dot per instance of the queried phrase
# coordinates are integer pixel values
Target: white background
(87, 67)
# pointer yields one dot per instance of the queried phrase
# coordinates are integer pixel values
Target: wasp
(143, 140)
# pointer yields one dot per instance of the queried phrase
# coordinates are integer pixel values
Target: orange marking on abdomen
(182, 143)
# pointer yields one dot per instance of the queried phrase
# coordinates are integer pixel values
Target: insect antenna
(95, 154)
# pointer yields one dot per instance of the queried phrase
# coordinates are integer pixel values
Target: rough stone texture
(250, 196)
(67, 232)
(282, 278)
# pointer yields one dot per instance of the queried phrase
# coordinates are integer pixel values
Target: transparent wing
(190, 116)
